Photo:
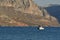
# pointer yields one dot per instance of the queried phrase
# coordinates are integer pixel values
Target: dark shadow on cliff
(54, 10)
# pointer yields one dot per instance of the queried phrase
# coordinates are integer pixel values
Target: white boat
(41, 28)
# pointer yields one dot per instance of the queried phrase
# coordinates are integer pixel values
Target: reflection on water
(29, 33)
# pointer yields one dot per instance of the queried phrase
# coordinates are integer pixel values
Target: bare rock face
(26, 6)
(24, 12)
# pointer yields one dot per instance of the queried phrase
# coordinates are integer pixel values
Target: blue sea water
(29, 33)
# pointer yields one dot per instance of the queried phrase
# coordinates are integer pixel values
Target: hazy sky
(46, 2)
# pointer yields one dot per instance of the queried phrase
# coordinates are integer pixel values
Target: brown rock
(24, 13)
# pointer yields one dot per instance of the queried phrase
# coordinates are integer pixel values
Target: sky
(46, 2)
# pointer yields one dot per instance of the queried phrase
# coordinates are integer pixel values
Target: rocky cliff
(24, 13)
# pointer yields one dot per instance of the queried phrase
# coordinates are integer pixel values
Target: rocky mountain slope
(24, 13)
(54, 10)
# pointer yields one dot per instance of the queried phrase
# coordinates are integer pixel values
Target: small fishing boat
(41, 28)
